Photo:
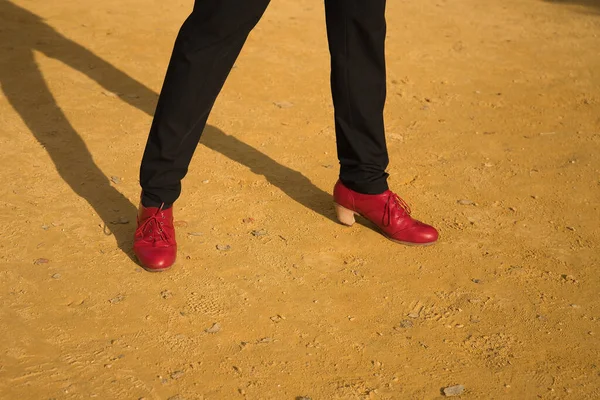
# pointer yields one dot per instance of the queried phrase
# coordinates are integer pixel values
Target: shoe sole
(156, 270)
(346, 217)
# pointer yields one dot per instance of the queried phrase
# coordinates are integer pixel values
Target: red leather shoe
(154, 242)
(386, 210)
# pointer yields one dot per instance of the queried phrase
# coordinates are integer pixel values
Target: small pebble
(258, 233)
(56, 276)
(180, 224)
(277, 318)
(303, 398)
(216, 327)
(120, 221)
(119, 298)
(45, 227)
(41, 261)
(195, 233)
(476, 280)
(166, 294)
(406, 323)
(455, 390)
(283, 104)
(115, 179)
(223, 247)
(569, 278)
(206, 181)
(177, 374)
(248, 220)
(413, 315)
(465, 202)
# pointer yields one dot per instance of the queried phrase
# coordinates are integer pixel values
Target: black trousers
(205, 50)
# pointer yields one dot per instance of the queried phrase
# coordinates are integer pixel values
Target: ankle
(368, 188)
(146, 203)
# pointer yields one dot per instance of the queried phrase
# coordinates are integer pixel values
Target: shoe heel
(344, 215)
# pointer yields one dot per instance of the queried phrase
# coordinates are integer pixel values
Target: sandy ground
(493, 120)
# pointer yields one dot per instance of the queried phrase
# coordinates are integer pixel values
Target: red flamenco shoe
(386, 210)
(154, 243)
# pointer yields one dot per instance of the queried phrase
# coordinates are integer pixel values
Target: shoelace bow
(394, 200)
(156, 219)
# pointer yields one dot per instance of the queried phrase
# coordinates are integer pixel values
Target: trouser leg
(205, 50)
(356, 32)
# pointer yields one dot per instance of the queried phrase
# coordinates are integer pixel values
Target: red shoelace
(158, 221)
(394, 200)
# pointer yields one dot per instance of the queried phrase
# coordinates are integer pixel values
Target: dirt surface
(493, 120)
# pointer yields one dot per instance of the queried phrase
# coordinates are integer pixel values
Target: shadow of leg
(24, 32)
(30, 97)
(292, 183)
(591, 4)
(106, 75)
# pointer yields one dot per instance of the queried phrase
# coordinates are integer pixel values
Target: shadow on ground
(21, 81)
(291, 182)
(594, 5)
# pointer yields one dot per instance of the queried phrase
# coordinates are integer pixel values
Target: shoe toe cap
(156, 258)
(426, 233)
(418, 234)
